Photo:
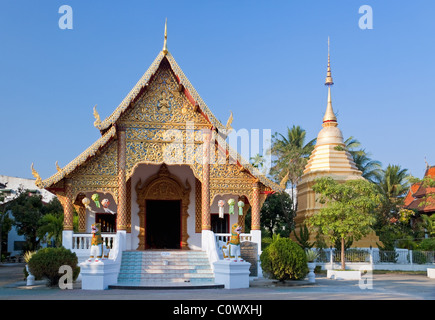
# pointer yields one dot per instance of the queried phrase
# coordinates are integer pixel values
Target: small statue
(232, 248)
(98, 248)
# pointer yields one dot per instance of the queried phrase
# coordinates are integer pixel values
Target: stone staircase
(165, 269)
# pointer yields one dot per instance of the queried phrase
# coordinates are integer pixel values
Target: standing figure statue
(232, 249)
(98, 248)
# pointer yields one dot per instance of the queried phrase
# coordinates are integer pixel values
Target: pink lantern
(221, 204)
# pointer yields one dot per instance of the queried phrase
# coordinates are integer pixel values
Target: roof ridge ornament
(165, 45)
(97, 122)
(38, 181)
(329, 119)
(57, 167)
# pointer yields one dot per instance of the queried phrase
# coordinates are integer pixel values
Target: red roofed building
(421, 197)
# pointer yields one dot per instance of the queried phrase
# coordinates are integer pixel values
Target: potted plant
(30, 278)
(312, 255)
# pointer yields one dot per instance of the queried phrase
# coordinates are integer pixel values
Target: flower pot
(311, 274)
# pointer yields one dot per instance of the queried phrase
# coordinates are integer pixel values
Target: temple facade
(328, 159)
(160, 173)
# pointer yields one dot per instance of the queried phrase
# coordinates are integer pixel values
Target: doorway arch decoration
(163, 186)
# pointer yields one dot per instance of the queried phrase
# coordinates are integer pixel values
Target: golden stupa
(329, 158)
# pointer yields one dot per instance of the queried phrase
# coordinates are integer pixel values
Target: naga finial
(229, 122)
(38, 181)
(57, 167)
(97, 122)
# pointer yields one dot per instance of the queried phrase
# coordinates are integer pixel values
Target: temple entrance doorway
(163, 224)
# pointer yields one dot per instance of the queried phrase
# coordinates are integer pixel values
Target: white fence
(225, 237)
(81, 242)
(399, 259)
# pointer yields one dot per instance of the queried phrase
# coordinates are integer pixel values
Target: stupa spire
(165, 46)
(329, 118)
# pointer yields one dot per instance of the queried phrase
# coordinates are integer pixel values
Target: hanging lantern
(221, 204)
(240, 204)
(86, 203)
(96, 198)
(105, 203)
(231, 203)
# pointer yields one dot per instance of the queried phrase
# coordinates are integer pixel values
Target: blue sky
(263, 60)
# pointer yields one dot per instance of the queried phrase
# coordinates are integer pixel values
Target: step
(165, 269)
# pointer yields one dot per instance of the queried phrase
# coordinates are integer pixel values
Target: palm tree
(51, 228)
(371, 169)
(257, 161)
(393, 185)
(291, 155)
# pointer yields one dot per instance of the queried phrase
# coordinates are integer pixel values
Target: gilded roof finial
(165, 47)
(38, 181)
(57, 167)
(329, 81)
(329, 119)
(97, 121)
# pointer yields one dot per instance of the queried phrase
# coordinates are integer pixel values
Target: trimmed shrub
(45, 264)
(284, 260)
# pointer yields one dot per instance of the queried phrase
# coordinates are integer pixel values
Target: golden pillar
(205, 185)
(68, 207)
(121, 220)
(82, 219)
(255, 209)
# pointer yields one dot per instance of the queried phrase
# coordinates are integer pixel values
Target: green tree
(277, 212)
(371, 169)
(51, 228)
(392, 186)
(29, 211)
(291, 155)
(52, 222)
(5, 225)
(348, 210)
(257, 161)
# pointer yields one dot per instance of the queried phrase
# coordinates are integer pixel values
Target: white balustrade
(225, 237)
(82, 241)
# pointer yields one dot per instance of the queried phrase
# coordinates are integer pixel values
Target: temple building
(164, 168)
(420, 197)
(328, 159)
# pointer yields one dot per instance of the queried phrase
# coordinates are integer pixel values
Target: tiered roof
(107, 127)
(421, 197)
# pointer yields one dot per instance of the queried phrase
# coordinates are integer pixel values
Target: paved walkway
(384, 287)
